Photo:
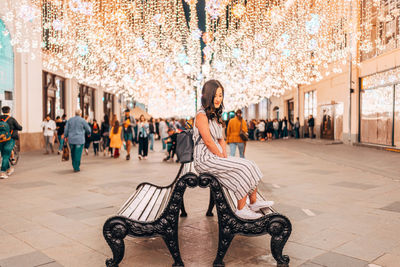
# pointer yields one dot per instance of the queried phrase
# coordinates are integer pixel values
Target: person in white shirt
(163, 128)
(261, 130)
(48, 126)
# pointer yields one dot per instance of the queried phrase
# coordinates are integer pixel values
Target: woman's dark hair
(106, 119)
(207, 100)
(116, 127)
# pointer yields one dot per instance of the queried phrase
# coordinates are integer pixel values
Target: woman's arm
(223, 145)
(202, 125)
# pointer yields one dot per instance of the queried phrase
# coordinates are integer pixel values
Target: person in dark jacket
(171, 144)
(297, 128)
(75, 132)
(95, 136)
(311, 126)
(60, 126)
(105, 134)
(152, 129)
(7, 147)
(158, 129)
(280, 131)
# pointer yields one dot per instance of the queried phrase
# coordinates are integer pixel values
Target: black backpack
(185, 145)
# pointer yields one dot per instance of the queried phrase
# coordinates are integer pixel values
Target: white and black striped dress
(239, 175)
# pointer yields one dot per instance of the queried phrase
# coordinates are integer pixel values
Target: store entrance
(327, 122)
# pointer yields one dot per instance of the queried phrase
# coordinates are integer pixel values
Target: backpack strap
(6, 119)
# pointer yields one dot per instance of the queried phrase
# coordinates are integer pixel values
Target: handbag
(243, 135)
(185, 145)
(65, 153)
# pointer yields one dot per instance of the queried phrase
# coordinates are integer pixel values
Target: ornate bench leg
(183, 211)
(173, 246)
(223, 245)
(280, 229)
(210, 205)
(114, 232)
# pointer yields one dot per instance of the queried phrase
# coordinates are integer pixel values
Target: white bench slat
(136, 201)
(150, 206)
(129, 201)
(165, 201)
(160, 198)
(143, 203)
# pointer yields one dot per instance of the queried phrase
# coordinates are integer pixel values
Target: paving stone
(30, 185)
(355, 185)
(395, 206)
(36, 258)
(310, 264)
(338, 260)
(348, 217)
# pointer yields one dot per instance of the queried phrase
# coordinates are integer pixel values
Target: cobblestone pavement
(343, 201)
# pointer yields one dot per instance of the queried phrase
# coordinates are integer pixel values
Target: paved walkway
(343, 201)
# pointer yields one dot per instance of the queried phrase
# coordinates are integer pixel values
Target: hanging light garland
(145, 49)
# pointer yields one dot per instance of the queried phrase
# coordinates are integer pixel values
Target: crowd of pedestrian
(111, 137)
(271, 129)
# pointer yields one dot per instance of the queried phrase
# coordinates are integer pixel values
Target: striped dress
(240, 176)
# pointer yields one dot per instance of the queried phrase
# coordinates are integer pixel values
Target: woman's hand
(224, 154)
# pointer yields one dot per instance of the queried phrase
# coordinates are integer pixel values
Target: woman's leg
(140, 146)
(241, 203)
(232, 149)
(253, 196)
(145, 146)
(241, 149)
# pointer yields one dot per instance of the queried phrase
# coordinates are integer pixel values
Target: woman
(152, 128)
(163, 132)
(143, 130)
(95, 136)
(116, 138)
(239, 175)
(105, 134)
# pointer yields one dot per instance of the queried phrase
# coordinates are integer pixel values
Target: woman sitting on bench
(239, 175)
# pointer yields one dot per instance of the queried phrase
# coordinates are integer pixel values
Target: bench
(272, 223)
(150, 211)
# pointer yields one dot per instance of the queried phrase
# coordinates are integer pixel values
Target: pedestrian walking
(9, 128)
(163, 132)
(239, 175)
(48, 126)
(261, 130)
(75, 132)
(143, 129)
(235, 126)
(252, 127)
(152, 130)
(116, 136)
(297, 128)
(311, 126)
(129, 124)
(157, 129)
(87, 139)
(60, 127)
(95, 137)
(105, 135)
(276, 128)
(285, 128)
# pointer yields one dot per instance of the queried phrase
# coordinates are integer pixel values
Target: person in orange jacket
(233, 131)
(116, 138)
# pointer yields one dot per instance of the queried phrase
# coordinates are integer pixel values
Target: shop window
(53, 95)
(310, 104)
(377, 115)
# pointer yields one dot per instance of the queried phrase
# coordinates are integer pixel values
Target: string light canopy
(151, 51)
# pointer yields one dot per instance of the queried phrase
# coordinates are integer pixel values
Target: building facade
(32, 91)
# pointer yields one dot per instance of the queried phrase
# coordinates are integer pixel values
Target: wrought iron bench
(273, 223)
(151, 211)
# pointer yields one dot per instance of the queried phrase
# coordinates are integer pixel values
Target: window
(380, 31)
(310, 104)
